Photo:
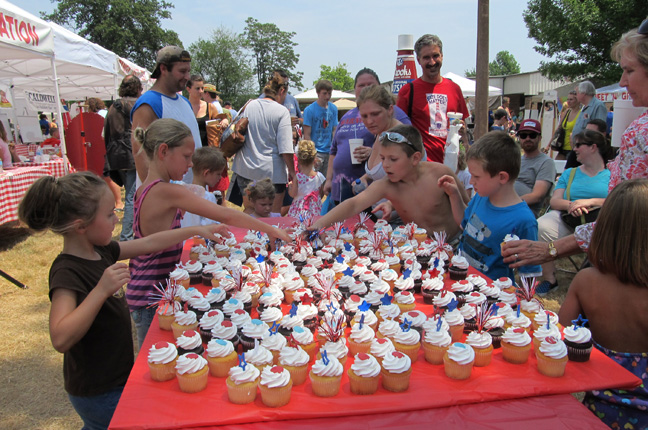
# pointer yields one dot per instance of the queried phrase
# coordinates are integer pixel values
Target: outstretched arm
(353, 206)
(449, 185)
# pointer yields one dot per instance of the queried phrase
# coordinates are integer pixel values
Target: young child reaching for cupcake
(613, 295)
(89, 321)
(410, 185)
(305, 191)
(159, 206)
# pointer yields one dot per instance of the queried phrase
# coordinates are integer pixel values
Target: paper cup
(353, 144)
(454, 116)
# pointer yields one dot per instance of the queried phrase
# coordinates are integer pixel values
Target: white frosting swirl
(362, 335)
(404, 298)
(516, 336)
(459, 262)
(289, 356)
(553, 347)
(224, 330)
(409, 337)
(439, 338)
(210, 319)
(397, 362)
(302, 335)
(217, 348)
(240, 376)
(461, 353)
(185, 318)
(332, 369)
(388, 312)
(380, 347)
(259, 356)
(162, 353)
(365, 365)
(190, 363)
(274, 342)
(479, 340)
(577, 334)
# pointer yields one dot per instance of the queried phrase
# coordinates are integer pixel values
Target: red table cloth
(55, 168)
(14, 183)
(146, 404)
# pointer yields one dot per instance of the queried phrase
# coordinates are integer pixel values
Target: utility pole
(481, 90)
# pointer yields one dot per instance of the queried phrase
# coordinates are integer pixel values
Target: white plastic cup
(353, 144)
(454, 116)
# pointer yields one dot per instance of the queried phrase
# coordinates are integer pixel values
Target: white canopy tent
(311, 95)
(468, 86)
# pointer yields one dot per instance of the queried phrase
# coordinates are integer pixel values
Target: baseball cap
(211, 88)
(530, 125)
(167, 55)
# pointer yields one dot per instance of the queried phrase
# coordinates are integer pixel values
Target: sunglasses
(643, 28)
(394, 137)
(524, 135)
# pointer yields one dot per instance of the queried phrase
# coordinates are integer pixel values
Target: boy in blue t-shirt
(496, 210)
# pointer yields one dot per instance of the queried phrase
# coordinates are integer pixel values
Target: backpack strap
(411, 100)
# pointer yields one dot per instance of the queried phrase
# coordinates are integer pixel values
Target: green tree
(576, 35)
(222, 61)
(130, 28)
(503, 64)
(339, 77)
(271, 49)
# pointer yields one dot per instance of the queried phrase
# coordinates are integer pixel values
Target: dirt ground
(31, 370)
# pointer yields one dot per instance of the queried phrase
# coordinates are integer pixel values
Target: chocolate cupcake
(190, 341)
(579, 343)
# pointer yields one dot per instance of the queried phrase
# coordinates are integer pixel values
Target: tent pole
(13, 112)
(59, 117)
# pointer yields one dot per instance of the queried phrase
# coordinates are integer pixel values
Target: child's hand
(281, 234)
(210, 231)
(448, 184)
(113, 278)
(386, 208)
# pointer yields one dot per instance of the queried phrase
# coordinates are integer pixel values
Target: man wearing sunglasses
(538, 171)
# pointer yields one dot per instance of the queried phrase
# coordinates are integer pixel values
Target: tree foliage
(271, 49)
(338, 75)
(222, 61)
(130, 28)
(503, 64)
(577, 35)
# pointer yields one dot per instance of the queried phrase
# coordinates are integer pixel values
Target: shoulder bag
(558, 140)
(574, 221)
(233, 137)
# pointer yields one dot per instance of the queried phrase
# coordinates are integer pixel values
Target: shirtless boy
(410, 185)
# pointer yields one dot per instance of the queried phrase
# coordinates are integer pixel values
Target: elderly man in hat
(172, 68)
(537, 171)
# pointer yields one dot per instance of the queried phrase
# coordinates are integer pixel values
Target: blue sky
(360, 33)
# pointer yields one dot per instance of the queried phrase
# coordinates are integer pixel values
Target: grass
(32, 394)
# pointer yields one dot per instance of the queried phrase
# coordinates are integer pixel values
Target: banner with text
(20, 29)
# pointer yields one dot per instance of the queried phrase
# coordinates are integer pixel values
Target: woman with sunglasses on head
(578, 191)
(631, 51)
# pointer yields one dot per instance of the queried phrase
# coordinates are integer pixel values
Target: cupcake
(552, 357)
(455, 320)
(194, 268)
(226, 331)
(274, 342)
(504, 284)
(469, 312)
(541, 318)
(306, 340)
(183, 321)
(271, 315)
(364, 374)
(230, 306)
(579, 343)
(435, 343)
(458, 269)
(220, 357)
(405, 301)
(239, 318)
(190, 341)
(388, 310)
(516, 320)
(199, 305)
(166, 314)
(259, 356)
(495, 327)
(326, 376)
(360, 338)
(251, 331)
(381, 347)
(431, 288)
(162, 360)
(482, 345)
(516, 344)
(337, 349)
(192, 372)
(458, 361)
(370, 318)
(180, 276)
(216, 298)
(208, 322)
(295, 360)
(408, 341)
(415, 318)
(396, 371)
(242, 382)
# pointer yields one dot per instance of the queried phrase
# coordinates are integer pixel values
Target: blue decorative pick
(242, 362)
(436, 262)
(331, 307)
(386, 299)
(452, 305)
(325, 358)
(407, 273)
(293, 310)
(260, 258)
(361, 320)
(494, 310)
(347, 246)
(519, 309)
(548, 321)
(339, 259)
(348, 271)
(439, 324)
(407, 324)
(274, 328)
(364, 306)
(580, 321)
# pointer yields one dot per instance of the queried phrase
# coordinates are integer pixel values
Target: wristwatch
(552, 250)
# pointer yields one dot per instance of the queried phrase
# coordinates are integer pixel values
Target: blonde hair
(635, 43)
(55, 204)
(619, 241)
(260, 189)
(377, 94)
(163, 130)
(306, 152)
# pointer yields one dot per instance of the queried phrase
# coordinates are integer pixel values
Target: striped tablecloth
(13, 186)
(55, 168)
